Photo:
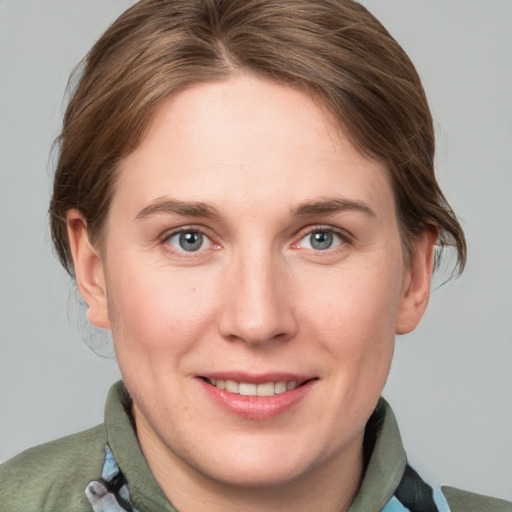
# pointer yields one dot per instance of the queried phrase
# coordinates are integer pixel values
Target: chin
(258, 473)
(261, 461)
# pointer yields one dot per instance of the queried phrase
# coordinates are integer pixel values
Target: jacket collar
(385, 467)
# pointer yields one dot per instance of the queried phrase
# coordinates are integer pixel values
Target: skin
(257, 297)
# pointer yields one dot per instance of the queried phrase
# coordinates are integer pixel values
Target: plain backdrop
(451, 381)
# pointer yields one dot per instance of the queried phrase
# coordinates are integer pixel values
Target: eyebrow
(175, 207)
(203, 210)
(332, 205)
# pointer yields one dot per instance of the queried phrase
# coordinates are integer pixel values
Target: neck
(331, 486)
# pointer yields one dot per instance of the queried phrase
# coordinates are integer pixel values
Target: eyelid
(193, 228)
(344, 235)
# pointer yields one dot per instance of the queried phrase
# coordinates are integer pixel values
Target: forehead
(248, 140)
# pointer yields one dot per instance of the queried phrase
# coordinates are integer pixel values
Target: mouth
(270, 388)
(257, 397)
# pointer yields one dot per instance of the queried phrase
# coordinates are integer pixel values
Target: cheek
(356, 311)
(157, 308)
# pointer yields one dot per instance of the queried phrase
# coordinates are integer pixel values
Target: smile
(257, 397)
(251, 389)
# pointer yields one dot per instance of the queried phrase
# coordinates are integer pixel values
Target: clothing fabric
(104, 470)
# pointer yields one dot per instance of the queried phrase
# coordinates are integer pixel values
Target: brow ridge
(332, 205)
(176, 207)
(199, 209)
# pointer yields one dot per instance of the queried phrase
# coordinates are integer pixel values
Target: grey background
(451, 382)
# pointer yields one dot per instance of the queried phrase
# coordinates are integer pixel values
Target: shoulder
(465, 501)
(53, 476)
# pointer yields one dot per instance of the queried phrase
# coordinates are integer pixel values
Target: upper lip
(259, 378)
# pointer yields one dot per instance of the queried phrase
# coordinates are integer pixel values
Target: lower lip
(257, 407)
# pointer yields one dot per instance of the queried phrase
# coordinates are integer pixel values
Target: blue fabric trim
(440, 500)
(110, 468)
(394, 505)
(110, 493)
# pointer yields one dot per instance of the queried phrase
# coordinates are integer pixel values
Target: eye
(189, 241)
(320, 240)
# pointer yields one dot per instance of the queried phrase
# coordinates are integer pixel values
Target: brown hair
(334, 49)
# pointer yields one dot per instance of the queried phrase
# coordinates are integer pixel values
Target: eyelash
(342, 235)
(184, 230)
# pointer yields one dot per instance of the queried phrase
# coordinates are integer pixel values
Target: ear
(416, 289)
(88, 270)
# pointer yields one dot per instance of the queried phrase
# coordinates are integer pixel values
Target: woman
(245, 196)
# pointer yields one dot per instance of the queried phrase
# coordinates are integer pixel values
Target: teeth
(291, 385)
(267, 389)
(232, 386)
(280, 387)
(249, 389)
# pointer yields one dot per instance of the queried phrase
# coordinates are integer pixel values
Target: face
(254, 282)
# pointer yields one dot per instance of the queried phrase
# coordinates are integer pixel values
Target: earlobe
(416, 290)
(88, 270)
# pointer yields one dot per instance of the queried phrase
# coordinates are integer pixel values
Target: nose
(258, 302)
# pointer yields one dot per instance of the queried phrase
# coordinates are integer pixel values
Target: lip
(257, 407)
(259, 378)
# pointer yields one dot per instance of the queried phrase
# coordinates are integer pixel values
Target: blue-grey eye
(189, 241)
(320, 240)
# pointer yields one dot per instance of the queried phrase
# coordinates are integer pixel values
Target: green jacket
(103, 469)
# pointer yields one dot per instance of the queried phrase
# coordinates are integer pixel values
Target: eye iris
(321, 240)
(191, 241)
